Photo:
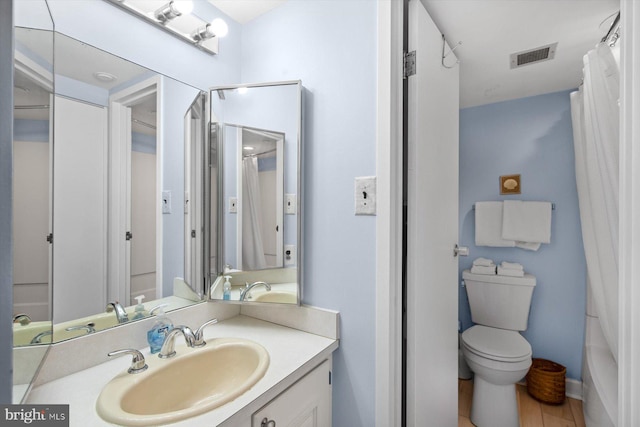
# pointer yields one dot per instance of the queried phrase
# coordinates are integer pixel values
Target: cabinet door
(307, 403)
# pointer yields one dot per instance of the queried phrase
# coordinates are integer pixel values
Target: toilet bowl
(494, 349)
(499, 358)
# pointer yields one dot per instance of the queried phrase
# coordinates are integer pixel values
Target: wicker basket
(546, 381)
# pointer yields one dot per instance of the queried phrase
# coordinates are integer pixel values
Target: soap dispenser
(226, 289)
(140, 312)
(159, 330)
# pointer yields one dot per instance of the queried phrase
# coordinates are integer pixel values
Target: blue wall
(331, 47)
(531, 137)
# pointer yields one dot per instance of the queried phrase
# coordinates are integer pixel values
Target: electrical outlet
(166, 202)
(290, 203)
(289, 254)
(365, 195)
(233, 205)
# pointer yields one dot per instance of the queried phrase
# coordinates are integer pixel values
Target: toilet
(493, 348)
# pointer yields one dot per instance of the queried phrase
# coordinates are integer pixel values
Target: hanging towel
(528, 222)
(480, 269)
(484, 262)
(530, 246)
(511, 266)
(510, 272)
(489, 225)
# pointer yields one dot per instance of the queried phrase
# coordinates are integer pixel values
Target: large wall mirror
(32, 150)
(256, 130)
(99, 189)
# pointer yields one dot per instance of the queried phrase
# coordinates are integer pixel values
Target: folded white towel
(485, 262)
(526, 221)
(510, 272)
(511, 265)
(489, 225)
(480, 269)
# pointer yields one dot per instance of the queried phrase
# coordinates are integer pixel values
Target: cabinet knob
(267, 423)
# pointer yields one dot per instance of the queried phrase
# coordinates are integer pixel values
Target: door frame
(118, 287)
(389, 185)
(389, 216)
(279, 139)
(629, 246)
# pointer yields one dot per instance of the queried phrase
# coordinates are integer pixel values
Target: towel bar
(553, 206)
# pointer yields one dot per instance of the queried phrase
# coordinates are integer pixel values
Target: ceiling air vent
(539, 54)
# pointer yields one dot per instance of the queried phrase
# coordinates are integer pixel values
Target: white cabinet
(307, 403)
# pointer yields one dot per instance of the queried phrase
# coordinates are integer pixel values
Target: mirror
(99, 214)
(256, 130)
(32, 148)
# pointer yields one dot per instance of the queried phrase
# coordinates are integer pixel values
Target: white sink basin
(191, 383)
(286, 297)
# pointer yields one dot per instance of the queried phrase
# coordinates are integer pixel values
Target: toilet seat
(496, 344)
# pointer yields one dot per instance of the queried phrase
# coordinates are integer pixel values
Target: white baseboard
(573, 388)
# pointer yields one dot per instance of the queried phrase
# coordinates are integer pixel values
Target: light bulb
(183, 7)
(242, 90)
(219, 27)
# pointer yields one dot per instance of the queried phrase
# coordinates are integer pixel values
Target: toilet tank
(499, 301)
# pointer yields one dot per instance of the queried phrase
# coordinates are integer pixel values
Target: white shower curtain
(252, 247)
(595, 116)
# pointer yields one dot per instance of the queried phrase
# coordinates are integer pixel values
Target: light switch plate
(166, 202)
(365, 195)
(290, 203)
(233, 205)
(289, 254)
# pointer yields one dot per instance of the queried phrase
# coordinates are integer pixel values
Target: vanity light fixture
(189, 28)
(173, 9)
(243, 90)
(217, 28)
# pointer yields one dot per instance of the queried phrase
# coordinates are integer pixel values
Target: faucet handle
(22, 318)
(89, 327)
(137, 363)
(199, 334)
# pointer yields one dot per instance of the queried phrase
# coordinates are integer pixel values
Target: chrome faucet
(22, 318)
(168, 347)
(248, 287)
(137, 363)
(89, 327)
(38, 338)
(199, 334)
(121, 315)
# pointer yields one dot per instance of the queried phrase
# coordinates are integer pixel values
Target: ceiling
(490, 31)
(243, 11)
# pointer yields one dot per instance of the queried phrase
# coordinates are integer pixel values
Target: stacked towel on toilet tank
(512, 269)
(483, 266)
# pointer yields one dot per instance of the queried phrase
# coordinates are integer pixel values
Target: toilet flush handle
(460, 250)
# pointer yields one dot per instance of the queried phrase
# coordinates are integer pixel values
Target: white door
(79, 209)
(432, 269)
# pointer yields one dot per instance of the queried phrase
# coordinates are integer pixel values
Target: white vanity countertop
(292, 353)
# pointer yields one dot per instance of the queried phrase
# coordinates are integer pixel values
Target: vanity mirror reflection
(256, 130)
(33, 85)
(97, 202)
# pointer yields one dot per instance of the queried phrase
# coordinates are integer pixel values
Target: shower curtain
(252, 247)
(595, 116)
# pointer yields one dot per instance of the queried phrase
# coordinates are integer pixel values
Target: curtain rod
(611, 29)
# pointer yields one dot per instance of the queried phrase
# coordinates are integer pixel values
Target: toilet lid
(497, 344)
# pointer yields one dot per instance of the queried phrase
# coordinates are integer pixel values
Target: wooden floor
(532, 413)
